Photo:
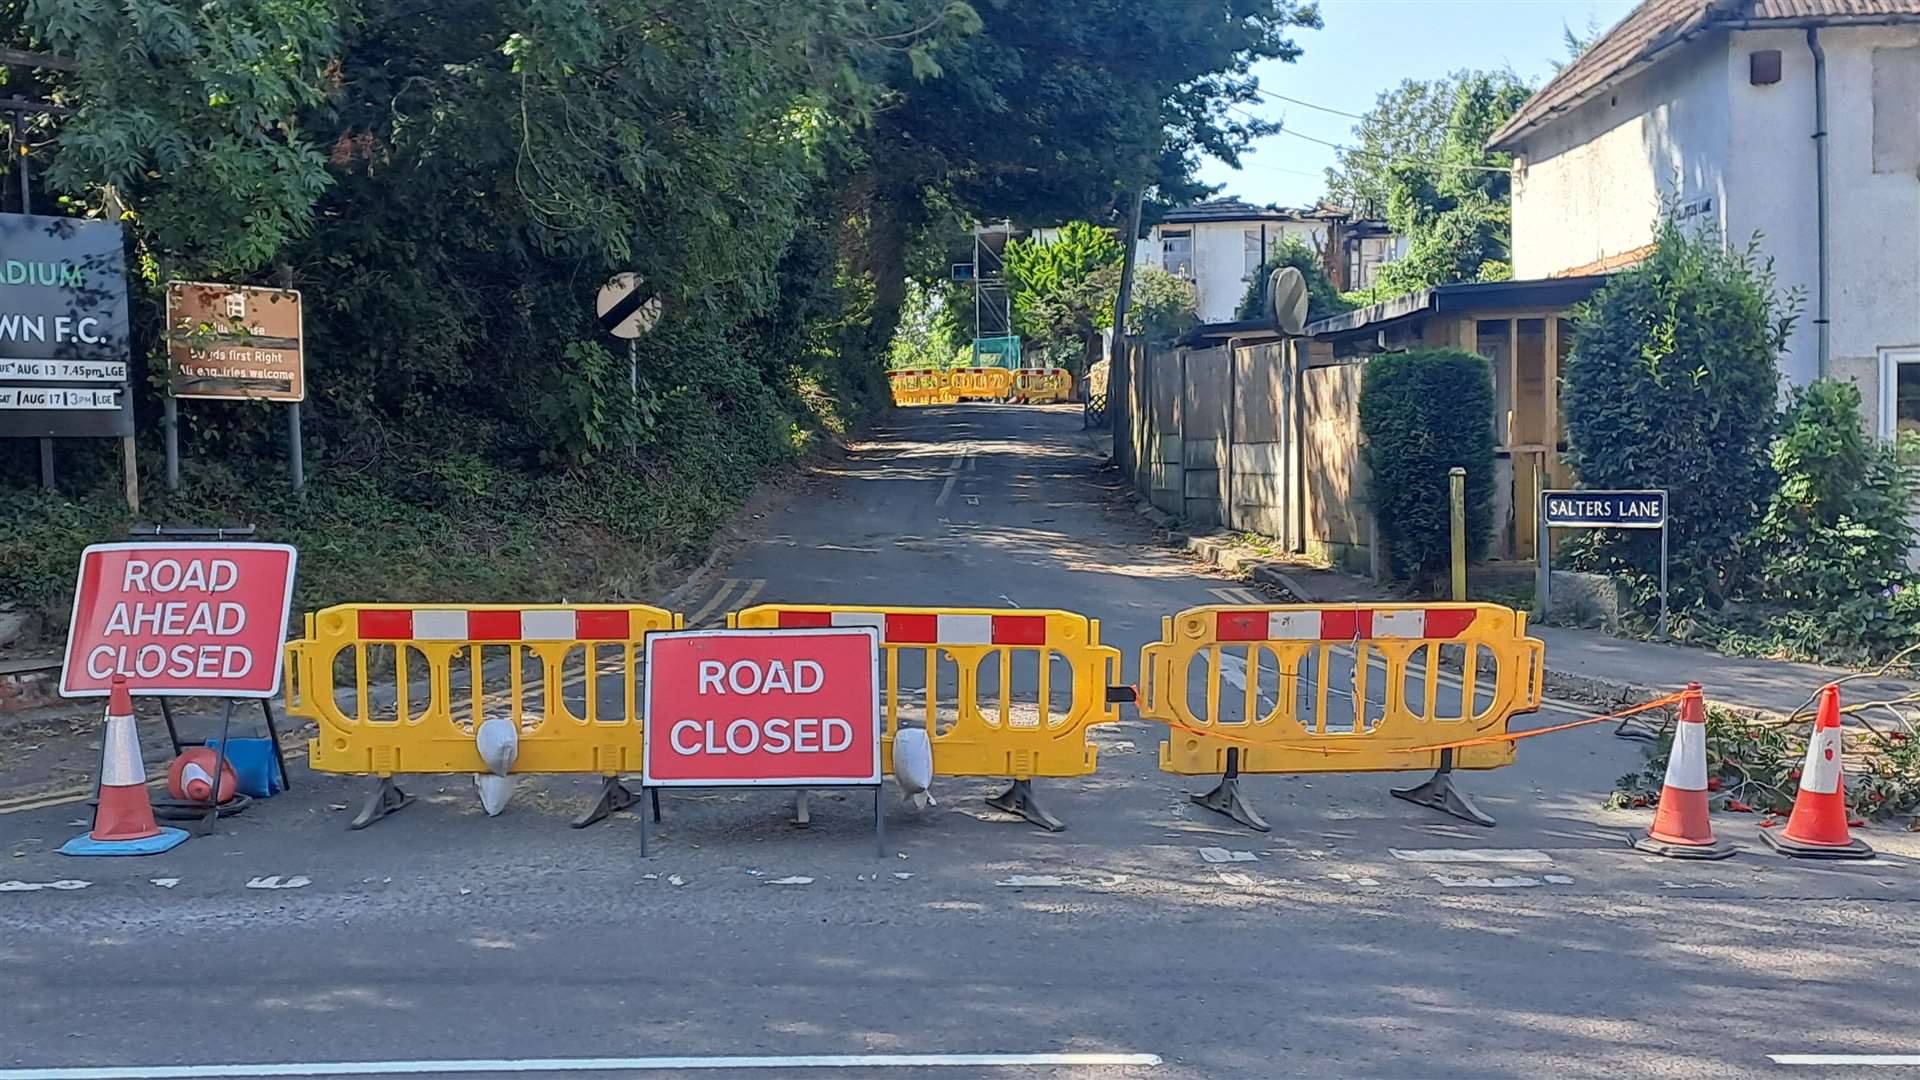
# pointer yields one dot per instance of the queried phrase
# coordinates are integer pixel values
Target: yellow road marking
(713, 603)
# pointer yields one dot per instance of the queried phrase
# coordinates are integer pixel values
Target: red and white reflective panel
(494, 624)
(929, 627)
(1341, 624)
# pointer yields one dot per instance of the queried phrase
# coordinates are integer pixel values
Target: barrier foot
(802, 810)
(614, 797)
(1439, 794)
(1019, 801)
(1227, 799)
(385, 800)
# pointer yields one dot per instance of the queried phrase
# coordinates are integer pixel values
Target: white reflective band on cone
(120, 764)
(1687, 764)
(1821, 773)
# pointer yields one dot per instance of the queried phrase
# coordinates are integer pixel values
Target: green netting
(1000, 352)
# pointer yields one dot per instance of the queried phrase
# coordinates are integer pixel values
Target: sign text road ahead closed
(176, 619)
(794, 708)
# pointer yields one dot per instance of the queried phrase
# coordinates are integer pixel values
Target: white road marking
(1234, 670)
(953, 474)
(1486, 883)
(275, 881)
(565, 1065)
(1471, 855)
(165, 882)
(64, 885)
(1033, 881)
(1907, 1060)
(1220, 854)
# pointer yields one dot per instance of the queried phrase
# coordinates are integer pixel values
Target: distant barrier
(981, 383)
(1339, 688)
(1000, 692)
(920, 386)
(567, 677)
(1040, 386)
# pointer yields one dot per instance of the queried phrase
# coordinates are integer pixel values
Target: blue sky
(1370, 45)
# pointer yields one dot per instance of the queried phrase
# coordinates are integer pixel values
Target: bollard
(1457, 498)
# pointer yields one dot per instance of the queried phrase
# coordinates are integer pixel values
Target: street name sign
(1606, 509)
(180, 619)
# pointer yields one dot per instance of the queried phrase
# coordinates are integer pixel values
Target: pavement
(1362, 937)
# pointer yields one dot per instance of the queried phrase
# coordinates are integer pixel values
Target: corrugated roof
(1236, 210)
(1657, 25)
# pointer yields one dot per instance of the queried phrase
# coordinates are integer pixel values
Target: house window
(1899, 391)
(1176, 253)
(1251, 245)
(1896, 123)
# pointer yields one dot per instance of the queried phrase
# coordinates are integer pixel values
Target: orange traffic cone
(1818, 827)
(123, 822)
(1680, 827)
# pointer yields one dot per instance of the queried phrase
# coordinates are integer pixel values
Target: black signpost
(1601, 510)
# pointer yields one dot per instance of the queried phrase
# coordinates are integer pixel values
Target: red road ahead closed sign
(795, 708)
(177, 619)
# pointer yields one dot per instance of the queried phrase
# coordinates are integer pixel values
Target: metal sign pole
(170, 436)
(296, 463)
(1543, 574)
(1663, 574)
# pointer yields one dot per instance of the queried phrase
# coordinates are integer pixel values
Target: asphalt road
(440, 942)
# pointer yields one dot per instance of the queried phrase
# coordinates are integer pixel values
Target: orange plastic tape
(1515, 736)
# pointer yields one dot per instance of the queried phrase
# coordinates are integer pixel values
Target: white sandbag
(913, 765)
(494, 791)
(499, 743)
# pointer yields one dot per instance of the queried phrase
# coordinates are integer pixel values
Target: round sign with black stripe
(626, 308)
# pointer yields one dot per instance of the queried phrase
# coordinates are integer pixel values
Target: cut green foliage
(1754, 764)
(1425, 412)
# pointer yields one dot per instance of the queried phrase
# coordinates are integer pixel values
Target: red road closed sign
(177, 619)
(795, 708)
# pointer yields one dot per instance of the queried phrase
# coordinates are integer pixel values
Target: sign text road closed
(175, 619)
(797, 708)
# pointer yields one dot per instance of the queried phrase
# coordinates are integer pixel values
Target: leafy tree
(924, 338)
(1164, 305)
(1576, 42)
(1053, 112)
(1053, 300)
(1672, 384)
(1425, 412)
(1323, 299)
(1407, 121)
(1455, 209)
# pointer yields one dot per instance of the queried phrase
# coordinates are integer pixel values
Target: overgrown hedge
(1672, 383)
(1423, 413)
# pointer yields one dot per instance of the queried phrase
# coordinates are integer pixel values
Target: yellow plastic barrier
(1339, 688)
(920, 386)
(1001, 692)
(981, 384)
(1042, 385)
(566, 676)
